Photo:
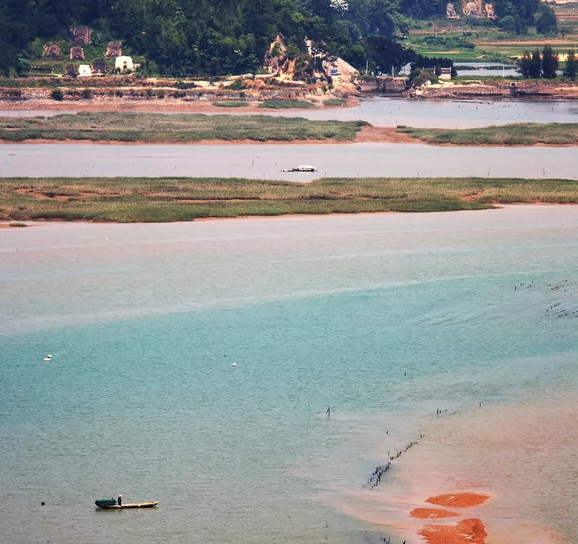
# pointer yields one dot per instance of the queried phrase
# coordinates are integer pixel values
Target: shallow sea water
(385, 318)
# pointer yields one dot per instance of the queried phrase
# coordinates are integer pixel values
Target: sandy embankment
(167, 105)
(465, 531)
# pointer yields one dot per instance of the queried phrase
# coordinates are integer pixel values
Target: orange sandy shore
(466, 531)
(458, 500)
(432, 513)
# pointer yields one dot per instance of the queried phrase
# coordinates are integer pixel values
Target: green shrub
(57, 94)
(87, 94)
(449, 42)
(183, 85)
(237, 85)
(230, 104)
(14, 94)
(282, 104)
(420, 77)
(334, 102)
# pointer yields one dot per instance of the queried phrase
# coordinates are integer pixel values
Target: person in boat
(119, 500)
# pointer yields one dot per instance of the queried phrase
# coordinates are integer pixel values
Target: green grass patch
(185, 199)
(286, 104)
(178, 128)
(514, 134)
(333, 102)
(231, 104)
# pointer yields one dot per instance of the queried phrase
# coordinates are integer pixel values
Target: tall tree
(571, 65)
(523, 11)
(550, 62)
(530, 65)
(388, 56)
(536, 65)
(524, 64)
(545, 20)
(17, 29)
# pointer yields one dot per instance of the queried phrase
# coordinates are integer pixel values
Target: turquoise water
(384, 318)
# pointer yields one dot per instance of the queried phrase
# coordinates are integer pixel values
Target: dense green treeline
(214, 37)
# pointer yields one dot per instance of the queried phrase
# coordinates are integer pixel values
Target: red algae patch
(467, 531)
(432, 513)
(458, 500)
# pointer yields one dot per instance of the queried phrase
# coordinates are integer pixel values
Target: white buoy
(234, 364)
(48, 358)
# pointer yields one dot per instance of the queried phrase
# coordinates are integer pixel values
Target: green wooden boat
(111, 504)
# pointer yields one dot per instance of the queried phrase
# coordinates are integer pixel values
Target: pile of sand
(466, 531)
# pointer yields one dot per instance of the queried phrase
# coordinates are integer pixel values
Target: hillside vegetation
(215, 37)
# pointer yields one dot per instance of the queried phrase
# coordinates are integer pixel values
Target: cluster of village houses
(81, 35)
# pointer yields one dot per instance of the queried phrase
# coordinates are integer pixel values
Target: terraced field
(492, 43)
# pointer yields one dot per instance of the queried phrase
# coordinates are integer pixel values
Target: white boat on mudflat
(301, 168)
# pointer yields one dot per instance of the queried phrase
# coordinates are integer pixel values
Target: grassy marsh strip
(286, 104)
(177, 128)
(515, 134)
(184, 199)
(231, 104)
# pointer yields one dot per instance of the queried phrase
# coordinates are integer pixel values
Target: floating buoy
(48, 358)
(234, 364)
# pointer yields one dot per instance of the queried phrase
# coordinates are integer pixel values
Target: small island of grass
(231, 104)
(514, 134)
(176, 128)
(334, 102)
(126, 200)
(286, 104)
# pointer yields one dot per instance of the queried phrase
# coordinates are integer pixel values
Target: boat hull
(151, 504)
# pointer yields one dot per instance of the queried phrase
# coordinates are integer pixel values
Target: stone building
(52, 50)
(77, 53)
(124, 64)
(84, 70)
(114, 49)
(81, 35)
(99, 67)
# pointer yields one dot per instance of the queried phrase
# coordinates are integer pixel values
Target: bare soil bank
(499, 90)
(135, 99)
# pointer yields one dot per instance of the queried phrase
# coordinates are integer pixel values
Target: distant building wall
(446, 73)
(123, 63)
(383, 84)
(84, 70)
